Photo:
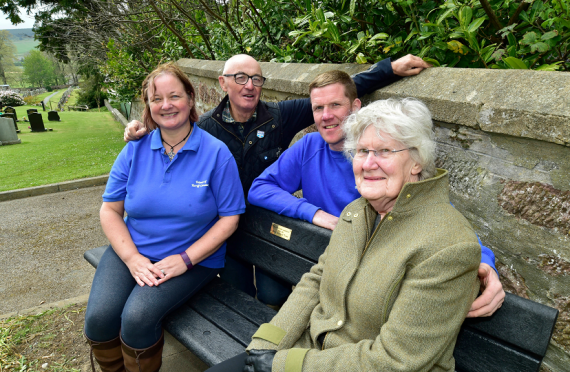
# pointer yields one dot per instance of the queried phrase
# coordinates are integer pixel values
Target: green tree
(38, 69)
(7, 51)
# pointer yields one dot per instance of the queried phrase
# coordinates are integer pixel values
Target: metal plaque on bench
(281, 231)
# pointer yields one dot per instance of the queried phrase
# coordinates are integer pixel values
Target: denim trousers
(270, 290)
(118, 304)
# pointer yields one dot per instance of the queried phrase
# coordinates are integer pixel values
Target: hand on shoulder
(134, 131)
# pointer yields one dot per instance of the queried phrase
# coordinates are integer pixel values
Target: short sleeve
(116, 189)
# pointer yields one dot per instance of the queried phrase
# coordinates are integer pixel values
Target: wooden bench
(80, 108)
(219, 321)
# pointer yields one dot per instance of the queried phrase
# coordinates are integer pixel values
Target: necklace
(171, 152)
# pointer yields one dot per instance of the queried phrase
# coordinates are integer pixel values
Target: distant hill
(21, 34)
(23, 39)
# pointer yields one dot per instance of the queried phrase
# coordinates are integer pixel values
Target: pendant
(170, 154)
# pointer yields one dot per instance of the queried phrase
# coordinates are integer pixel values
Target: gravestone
(53, 116)
(13, 117)
(44, 105)
(37, 122)
(11, 110)
(29, 111)
(8, 134)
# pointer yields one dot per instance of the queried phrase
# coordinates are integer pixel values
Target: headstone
(53, 116)
(37, 122)
(44, 105)
(29, 111)
(8, 134)
(11, 110)
(12, 116)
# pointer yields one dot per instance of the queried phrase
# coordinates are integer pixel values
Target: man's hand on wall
(409, 65)
(323, 219)
(493, 294)
(134, 131)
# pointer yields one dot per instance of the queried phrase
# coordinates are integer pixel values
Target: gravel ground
(42, 241)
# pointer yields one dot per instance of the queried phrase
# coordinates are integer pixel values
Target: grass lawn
(83, 144)
(73, 98)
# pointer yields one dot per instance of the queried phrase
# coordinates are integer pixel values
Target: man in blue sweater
(317, 165)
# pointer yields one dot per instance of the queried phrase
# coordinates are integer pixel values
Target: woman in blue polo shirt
(181, 191)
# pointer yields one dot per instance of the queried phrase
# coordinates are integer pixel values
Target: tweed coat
(392, 299)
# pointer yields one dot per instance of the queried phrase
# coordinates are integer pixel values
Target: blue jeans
(117, 303)
(270, 290)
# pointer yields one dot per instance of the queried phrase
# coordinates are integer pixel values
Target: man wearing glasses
(257, 132)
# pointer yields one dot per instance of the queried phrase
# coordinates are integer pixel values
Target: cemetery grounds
(82, 144)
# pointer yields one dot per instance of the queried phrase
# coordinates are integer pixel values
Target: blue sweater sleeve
(273, 188)
(487, 256)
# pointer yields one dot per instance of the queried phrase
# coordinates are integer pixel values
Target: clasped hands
(146, 273)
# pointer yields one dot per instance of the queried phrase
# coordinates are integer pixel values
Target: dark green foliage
(91, 93)
(126, 39)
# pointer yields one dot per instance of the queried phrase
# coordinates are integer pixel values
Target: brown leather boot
(143, 360)
(108, 354)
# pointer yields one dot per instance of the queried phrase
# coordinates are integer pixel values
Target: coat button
(273, 126)
(250, 142)
(348, 214)
(339, 323)
(356, 215)
(389, 218)
(408, 196)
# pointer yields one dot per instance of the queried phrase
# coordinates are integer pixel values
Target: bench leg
(143, 360)
(108, 355)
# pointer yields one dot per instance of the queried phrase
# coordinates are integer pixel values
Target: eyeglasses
(378, 154)
(242, 79)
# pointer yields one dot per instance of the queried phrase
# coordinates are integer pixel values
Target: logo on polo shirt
(200, 184)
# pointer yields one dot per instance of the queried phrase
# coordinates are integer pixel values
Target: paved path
(42, 240)
(46, 100)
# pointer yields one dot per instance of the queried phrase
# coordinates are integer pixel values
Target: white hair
(407, 121)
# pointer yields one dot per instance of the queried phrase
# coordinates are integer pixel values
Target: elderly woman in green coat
(394, 285)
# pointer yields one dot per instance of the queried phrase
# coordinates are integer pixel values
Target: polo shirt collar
(193, 142)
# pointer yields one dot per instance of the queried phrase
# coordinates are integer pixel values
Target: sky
(5, 24)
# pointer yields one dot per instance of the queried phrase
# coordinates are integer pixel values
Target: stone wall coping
(520, 103)
(55, 187)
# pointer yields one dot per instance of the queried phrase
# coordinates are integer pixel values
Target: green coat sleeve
(294, 316)
(422, 326)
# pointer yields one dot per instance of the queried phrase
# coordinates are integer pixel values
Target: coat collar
(263, 114)
(414, 195)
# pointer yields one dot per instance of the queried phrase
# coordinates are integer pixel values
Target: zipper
(242, 143)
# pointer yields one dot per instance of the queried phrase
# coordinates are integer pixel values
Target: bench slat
(232, 323)
(475, 353)
(271, 258)
(240, 302)
(521, 322)
(203, 338)
(94, 255)
(307, 240)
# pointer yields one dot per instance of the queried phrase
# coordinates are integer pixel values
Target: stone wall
(504, 135)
